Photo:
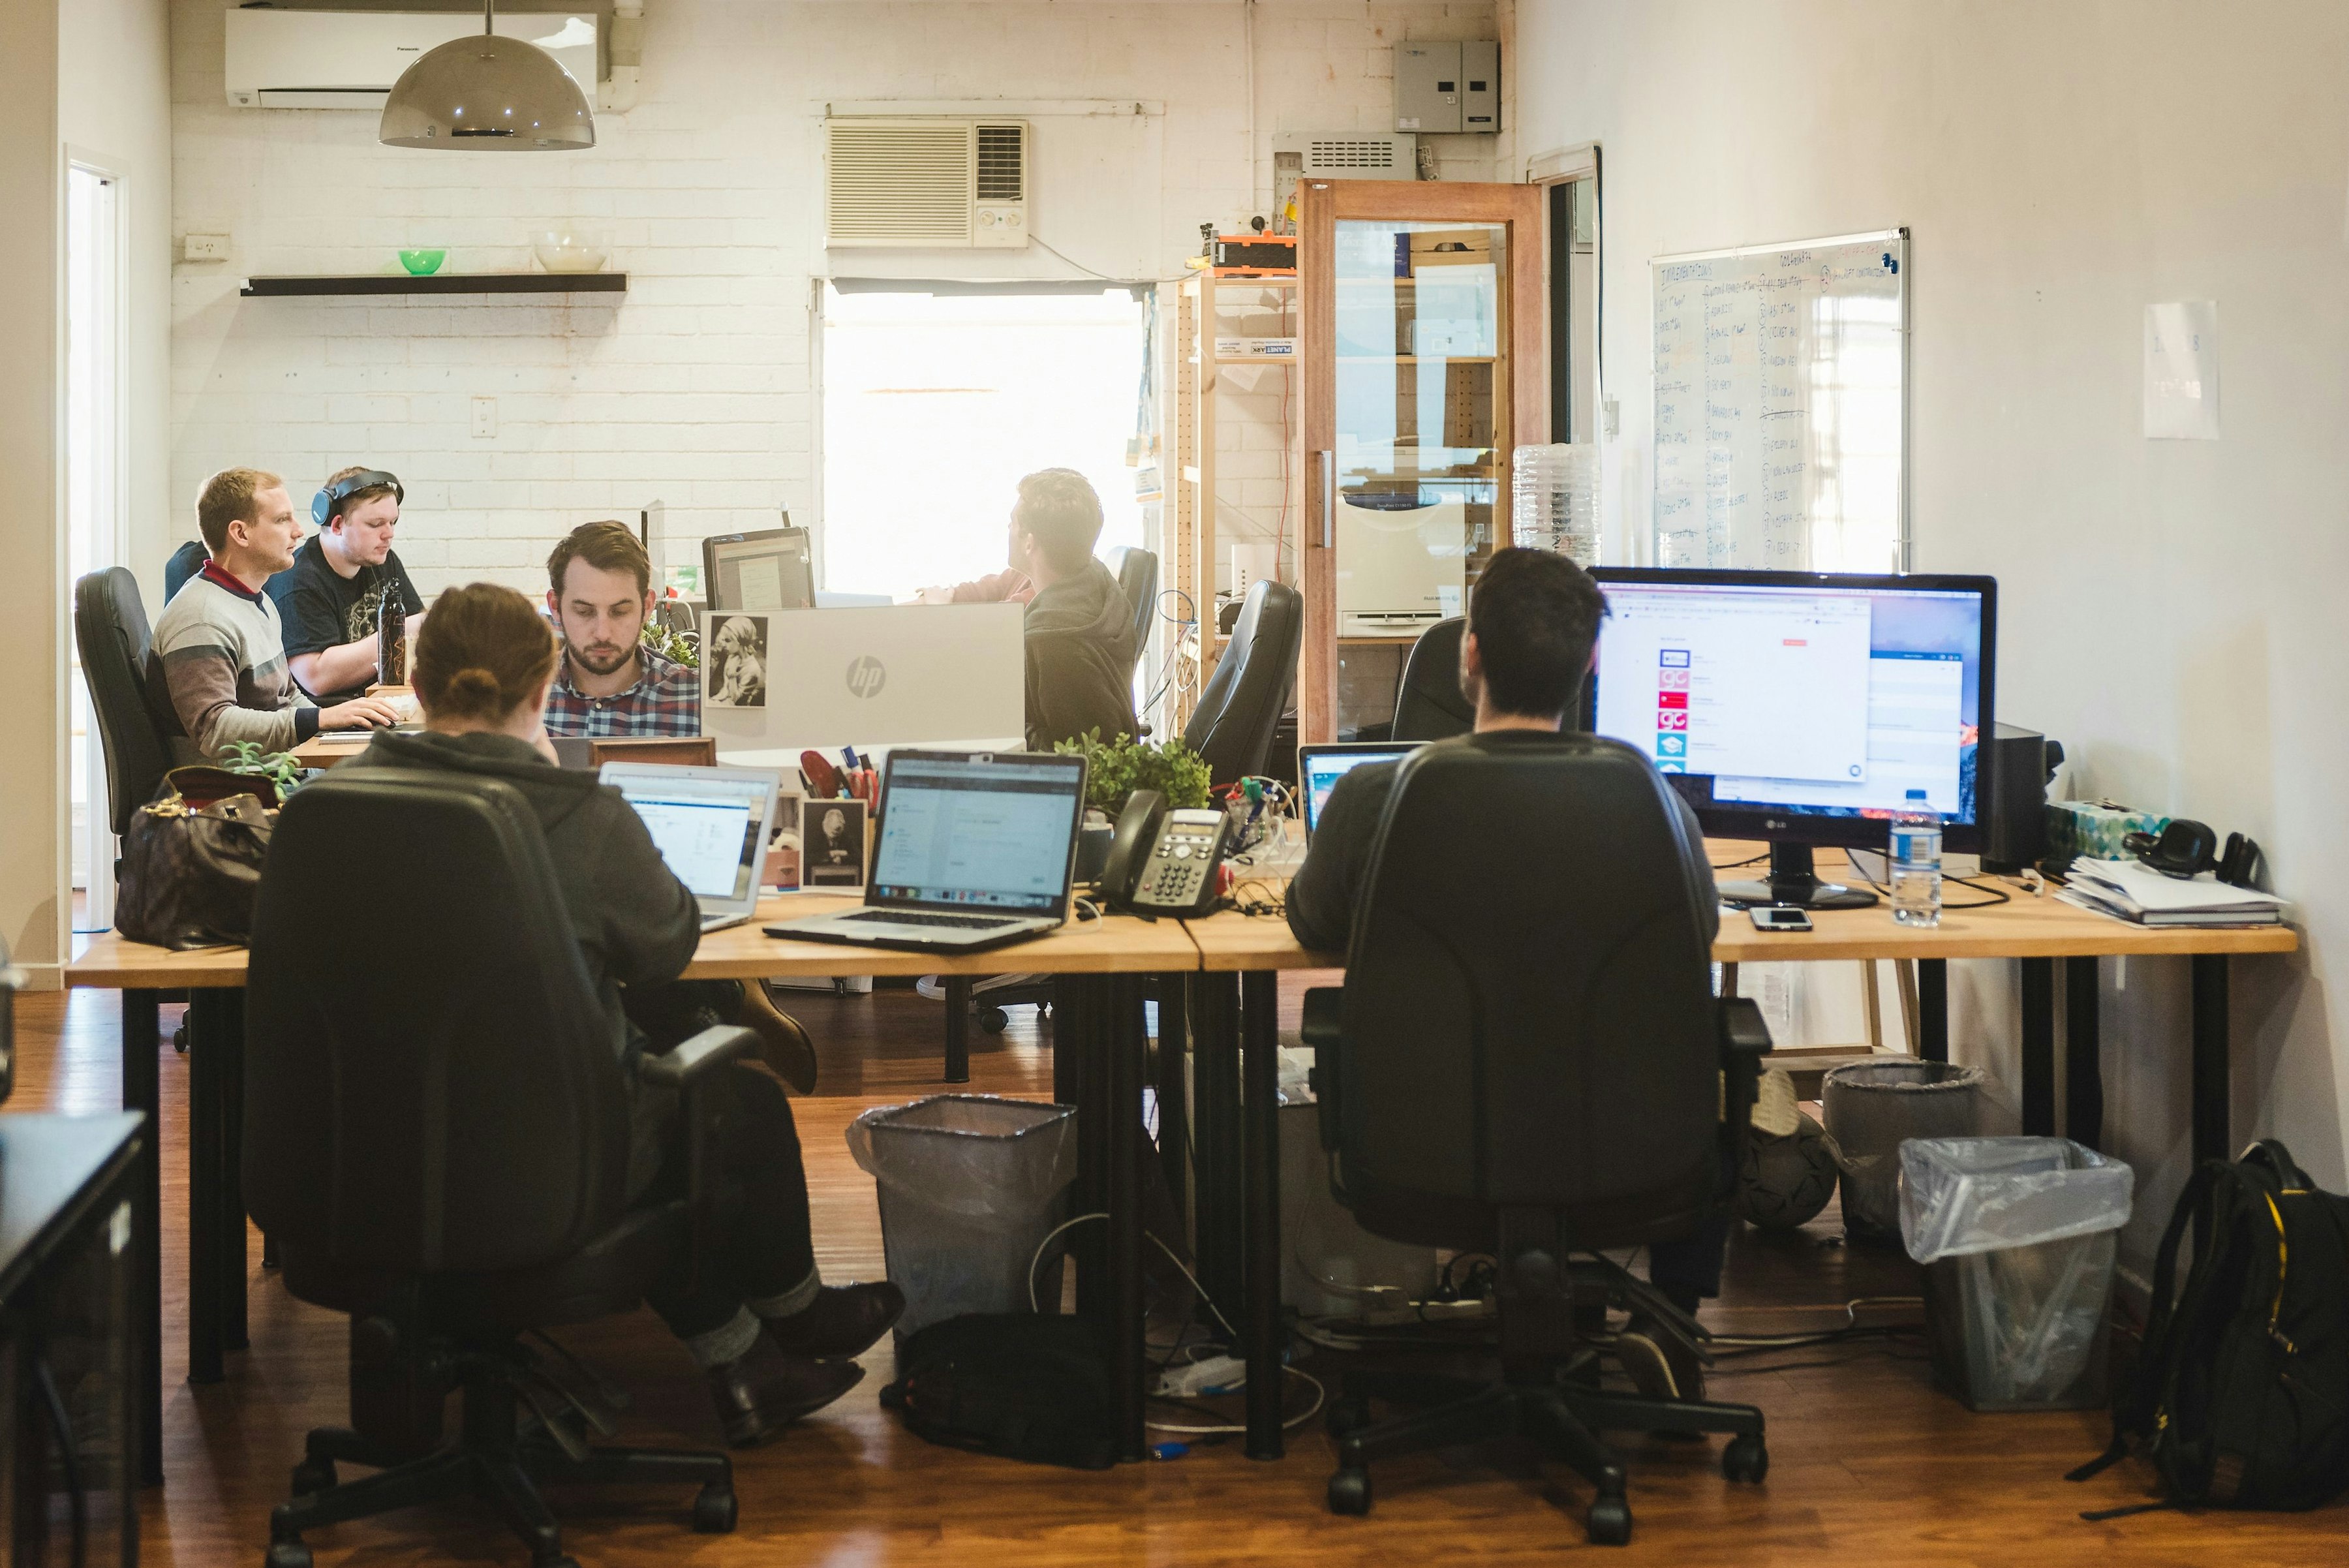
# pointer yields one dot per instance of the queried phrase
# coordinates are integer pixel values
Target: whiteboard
(1781, 417)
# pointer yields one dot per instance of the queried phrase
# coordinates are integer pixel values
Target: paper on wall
(2181, 370)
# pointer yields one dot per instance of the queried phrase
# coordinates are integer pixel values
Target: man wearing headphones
(342, 576)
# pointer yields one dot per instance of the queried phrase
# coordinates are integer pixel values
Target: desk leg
(142, 1092)
(2213, 1134)
(1170, 1087)
(1260, 1115)
(958, 1029)
(1215, 1109)
(1078, 1015)
(1125, 1042)
(207, 1106)
(230, 1042)
(2084, 1069)
(2038, 1047)
(1933, 1010)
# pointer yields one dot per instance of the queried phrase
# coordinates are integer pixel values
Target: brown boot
(783, 1046)
(766, 1388)
(842, 1320)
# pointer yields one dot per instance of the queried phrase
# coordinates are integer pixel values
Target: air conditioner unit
(1344, 155)
(348, 59)
(925, 183)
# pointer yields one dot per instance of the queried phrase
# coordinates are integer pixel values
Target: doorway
(95, 526)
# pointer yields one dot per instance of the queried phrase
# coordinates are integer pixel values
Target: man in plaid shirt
(600, 587)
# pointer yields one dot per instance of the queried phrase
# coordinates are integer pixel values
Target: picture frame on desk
(784, 845)
(833, 839)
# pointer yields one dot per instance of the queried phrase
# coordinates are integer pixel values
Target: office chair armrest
(1745, 1040)
(1323, 1006)
(689, 1069)
(679, 1067)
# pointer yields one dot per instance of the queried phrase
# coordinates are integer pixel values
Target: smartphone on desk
(1772, 918)
(1164, 862)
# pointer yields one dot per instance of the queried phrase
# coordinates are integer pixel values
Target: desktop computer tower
(2016, 767)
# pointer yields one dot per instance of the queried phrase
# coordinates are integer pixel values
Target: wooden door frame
(1322, 204)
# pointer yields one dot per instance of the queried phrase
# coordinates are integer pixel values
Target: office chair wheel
(714, 1509)
(1746, 1459)
(994, 1020)
(312, 1477)
(287, 1554)
(1610, 1522)
(1349, 1492)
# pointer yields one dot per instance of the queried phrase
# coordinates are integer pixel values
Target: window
(93, 487)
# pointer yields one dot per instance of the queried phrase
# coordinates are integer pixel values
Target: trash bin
(2017, 1237)
(1872, 1108)
(970, 1186)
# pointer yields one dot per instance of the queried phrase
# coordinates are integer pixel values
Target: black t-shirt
(325, 609)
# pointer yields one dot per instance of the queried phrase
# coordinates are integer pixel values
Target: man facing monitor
(1079, 629)
(599, 586)
(341, 579)
(1533, 621)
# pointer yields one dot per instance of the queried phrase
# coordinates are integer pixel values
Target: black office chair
(1232, 725)
(110, 630)
(189, 558)
(1429, 703)
(436, 1136)
(1527, 1060)
(1137, 574)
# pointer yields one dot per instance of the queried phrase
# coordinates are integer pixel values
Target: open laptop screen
(1321, 767)
(985, 831)
(705, 822)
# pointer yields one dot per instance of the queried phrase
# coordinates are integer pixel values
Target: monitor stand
(1794, 882)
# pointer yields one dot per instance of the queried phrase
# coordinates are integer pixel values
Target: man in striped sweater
(216, 670)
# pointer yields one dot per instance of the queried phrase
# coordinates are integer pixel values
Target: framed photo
(734, 661)
(832, 844)
(783, 870)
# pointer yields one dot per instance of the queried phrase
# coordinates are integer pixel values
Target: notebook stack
(2133, 891)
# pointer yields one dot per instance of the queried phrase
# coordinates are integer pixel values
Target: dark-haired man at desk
(1533, 621)
(599, 586)
(343, 578)
(1079, 629)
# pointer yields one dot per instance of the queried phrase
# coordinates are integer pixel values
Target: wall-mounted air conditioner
(925, 183)
(348, 59)
(1344, 155)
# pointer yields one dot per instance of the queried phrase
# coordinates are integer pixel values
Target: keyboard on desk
(955, 922)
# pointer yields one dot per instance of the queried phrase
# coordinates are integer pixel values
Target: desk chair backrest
(1528, 1017)
(430, 1082)
(189, 558)
(110, 630)
(1136, 571)
(1241, 706)
(1429, 703)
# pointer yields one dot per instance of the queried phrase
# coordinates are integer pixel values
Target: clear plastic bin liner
(1960, 1195)
(1872, 1108)
(970, 1186)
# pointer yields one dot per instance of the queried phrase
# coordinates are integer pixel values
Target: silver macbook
(977, 850)
(710, 825)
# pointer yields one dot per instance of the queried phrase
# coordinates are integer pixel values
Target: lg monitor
(1802, 708)
(767, 570)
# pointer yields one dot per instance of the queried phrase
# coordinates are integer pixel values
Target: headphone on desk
(2186, 848)
(329, 500)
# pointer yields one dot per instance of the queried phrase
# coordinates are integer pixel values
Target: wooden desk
(1237, 1002)
(330, 748)
(1098, 1066)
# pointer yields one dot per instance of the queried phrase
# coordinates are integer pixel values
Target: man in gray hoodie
(1079, 626)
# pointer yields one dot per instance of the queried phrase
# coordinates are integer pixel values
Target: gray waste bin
(1873, 1108)
(2017, 1237)
(970, 1186)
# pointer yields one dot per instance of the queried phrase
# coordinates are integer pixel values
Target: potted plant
(1115, 768)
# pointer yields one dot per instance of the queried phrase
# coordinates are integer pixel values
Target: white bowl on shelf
(570, 250)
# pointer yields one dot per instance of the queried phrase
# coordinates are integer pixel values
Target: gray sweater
(216, 672)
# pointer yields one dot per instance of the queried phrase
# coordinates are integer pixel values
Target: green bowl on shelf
(422, 264)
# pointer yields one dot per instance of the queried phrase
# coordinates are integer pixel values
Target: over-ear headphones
(329, 500)
(2187, 848)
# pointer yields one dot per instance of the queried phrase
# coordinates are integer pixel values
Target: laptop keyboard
(952, 922)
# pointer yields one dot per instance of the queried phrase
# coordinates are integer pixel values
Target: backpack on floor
(2241, 1398)
(1014, 1384)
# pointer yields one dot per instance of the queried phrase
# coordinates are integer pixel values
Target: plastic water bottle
(1916, 862)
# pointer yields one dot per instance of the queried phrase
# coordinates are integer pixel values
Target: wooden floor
(1870, 1464)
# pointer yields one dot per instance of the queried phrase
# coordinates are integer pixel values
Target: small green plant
(1115, 768)
(678, 647)
(278, 767)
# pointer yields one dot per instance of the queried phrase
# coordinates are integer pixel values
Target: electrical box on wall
(1448, 87)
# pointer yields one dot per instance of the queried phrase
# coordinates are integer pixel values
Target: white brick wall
(697, 386)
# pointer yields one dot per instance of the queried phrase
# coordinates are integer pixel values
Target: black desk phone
(1164, 862)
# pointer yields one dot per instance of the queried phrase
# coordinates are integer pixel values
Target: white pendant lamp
(486, 95)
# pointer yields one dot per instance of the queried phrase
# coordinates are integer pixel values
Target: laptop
(977, 849)
(710, 826)
(1319, 769)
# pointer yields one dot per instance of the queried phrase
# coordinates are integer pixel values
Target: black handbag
(192, 860)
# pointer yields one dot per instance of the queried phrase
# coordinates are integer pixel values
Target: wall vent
(925, 183)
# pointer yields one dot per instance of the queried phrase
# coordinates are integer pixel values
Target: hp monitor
(1801, 708)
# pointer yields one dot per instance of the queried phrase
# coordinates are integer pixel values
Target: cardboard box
(1450, 247)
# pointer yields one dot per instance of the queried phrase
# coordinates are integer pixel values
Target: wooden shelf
(1419, 359)
(439, 283)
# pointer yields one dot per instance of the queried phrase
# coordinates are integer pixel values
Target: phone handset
(1164, 862)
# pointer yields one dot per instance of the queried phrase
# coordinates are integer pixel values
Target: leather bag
(192, 860)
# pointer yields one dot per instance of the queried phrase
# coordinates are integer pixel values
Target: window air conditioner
(348, 59)
(925, 183)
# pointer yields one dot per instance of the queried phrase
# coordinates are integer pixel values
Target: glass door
(1424, 358)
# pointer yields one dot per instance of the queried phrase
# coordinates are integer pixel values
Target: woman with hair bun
(773, 1340)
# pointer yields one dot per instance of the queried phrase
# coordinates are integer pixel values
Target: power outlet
(204, 248)
(485, 418)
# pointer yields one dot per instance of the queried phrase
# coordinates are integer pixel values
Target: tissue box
(2094, 828)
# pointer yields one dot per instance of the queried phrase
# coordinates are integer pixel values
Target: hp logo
(866, 676)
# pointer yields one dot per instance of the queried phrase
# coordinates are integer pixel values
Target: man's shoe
(1662, 1364)
(843, 1320)
(767, 1388)
(783, 1046)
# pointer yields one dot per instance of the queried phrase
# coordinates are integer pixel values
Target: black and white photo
(734, 661)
